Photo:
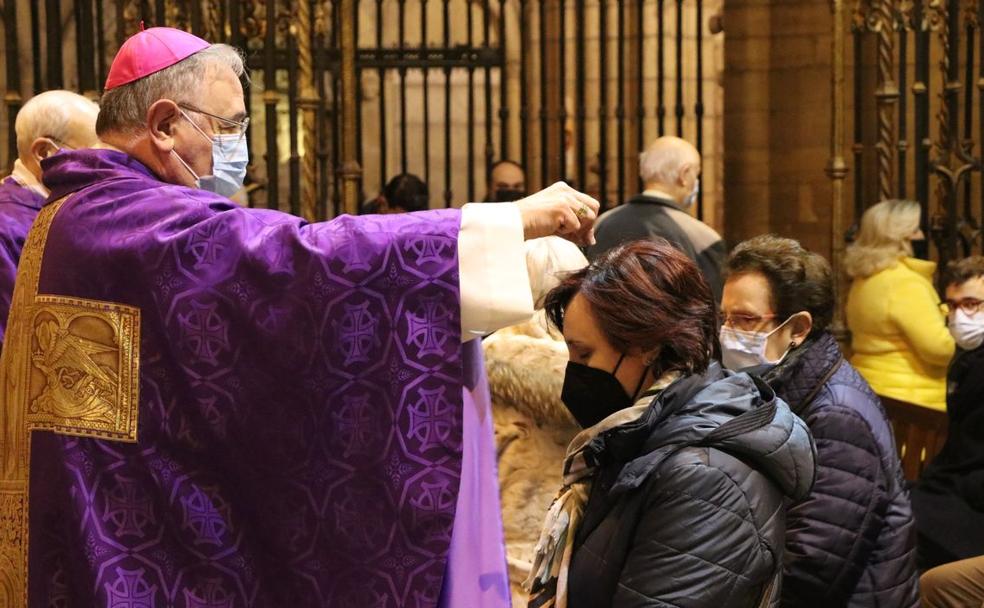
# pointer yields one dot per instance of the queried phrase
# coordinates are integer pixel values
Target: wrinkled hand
(559, 210)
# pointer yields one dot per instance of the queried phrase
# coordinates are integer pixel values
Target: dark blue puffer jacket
(851, 542)
(686, 507)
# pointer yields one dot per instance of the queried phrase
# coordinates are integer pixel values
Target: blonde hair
(884, 238)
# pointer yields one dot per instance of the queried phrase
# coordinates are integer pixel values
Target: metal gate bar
(603, 107)
(580, 89)
(297, 46)
(620, 103)
(944, 151)
(448, 196)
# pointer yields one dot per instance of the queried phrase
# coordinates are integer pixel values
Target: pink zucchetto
(150, 51)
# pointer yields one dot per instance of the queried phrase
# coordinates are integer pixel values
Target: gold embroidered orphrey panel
(69, 366)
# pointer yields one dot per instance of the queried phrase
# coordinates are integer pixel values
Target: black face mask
(592, 394)
(505, 195)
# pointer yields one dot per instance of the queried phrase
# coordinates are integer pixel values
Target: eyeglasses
(970, 306)
(744, 322)
(58, 143)
(227, 126)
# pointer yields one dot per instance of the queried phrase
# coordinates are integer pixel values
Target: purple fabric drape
(300, 419)
(18, 208)
(477, 576)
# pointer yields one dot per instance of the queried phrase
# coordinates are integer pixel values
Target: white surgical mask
(743, 349)
(691, 198)
(230, 156)
(967, 330)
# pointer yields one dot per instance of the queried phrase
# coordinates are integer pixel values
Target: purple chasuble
(300, 411)
(477, 575)
(18, 208)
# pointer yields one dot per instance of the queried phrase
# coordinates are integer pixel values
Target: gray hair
(664, 161)
(49, 114)
(125, 107)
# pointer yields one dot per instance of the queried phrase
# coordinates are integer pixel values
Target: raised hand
(559, 210)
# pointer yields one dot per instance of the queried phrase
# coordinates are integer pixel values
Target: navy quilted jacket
(686, 507)
(851, 542)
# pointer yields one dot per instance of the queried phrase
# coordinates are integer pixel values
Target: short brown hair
(798, 279)
(648, 295)
(959, 272)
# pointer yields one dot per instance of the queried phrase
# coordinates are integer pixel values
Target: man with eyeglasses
(48, 122)
(949, 497)
(205, 403)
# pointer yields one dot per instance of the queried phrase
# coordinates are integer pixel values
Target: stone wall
(777, 120)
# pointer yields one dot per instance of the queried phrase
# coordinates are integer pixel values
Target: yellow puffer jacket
(898, 333)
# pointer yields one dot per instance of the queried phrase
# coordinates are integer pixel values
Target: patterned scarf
(547, 582)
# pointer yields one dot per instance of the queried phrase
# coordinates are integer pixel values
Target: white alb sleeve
(495, 286)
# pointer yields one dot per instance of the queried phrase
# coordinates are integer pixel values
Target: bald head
(671, 165)
(53, 120)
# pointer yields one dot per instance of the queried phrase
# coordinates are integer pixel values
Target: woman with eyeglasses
(898, 334)
(673, 493)
(851, 541)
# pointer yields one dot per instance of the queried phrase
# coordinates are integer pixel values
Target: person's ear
(162, 118)
(688, 173)
(649, 358)
(800, 326)
(42, 148)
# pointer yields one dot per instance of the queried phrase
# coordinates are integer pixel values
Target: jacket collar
(657, 193)
(73, 170)
(734, 412)
(625, 442)
(925, 268)
(654, 197)
(797, 379)
(691, 411)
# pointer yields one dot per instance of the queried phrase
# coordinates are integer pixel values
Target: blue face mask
(691, 198)
(230, 156)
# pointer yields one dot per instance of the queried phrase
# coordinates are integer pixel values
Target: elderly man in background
(48, 122)
(670, 170)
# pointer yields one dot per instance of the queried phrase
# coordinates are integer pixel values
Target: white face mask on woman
(743, 349)
(967, 330)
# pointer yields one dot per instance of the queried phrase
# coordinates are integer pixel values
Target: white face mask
(744, 349)
(691, 198)
(967, 330)
(230, 157)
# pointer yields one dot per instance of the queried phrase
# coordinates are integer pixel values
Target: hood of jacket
(733, 412)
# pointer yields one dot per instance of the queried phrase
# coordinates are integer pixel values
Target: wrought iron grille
(918, 120)
(346, 93)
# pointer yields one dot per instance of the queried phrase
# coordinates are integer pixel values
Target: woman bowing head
(673, 491)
